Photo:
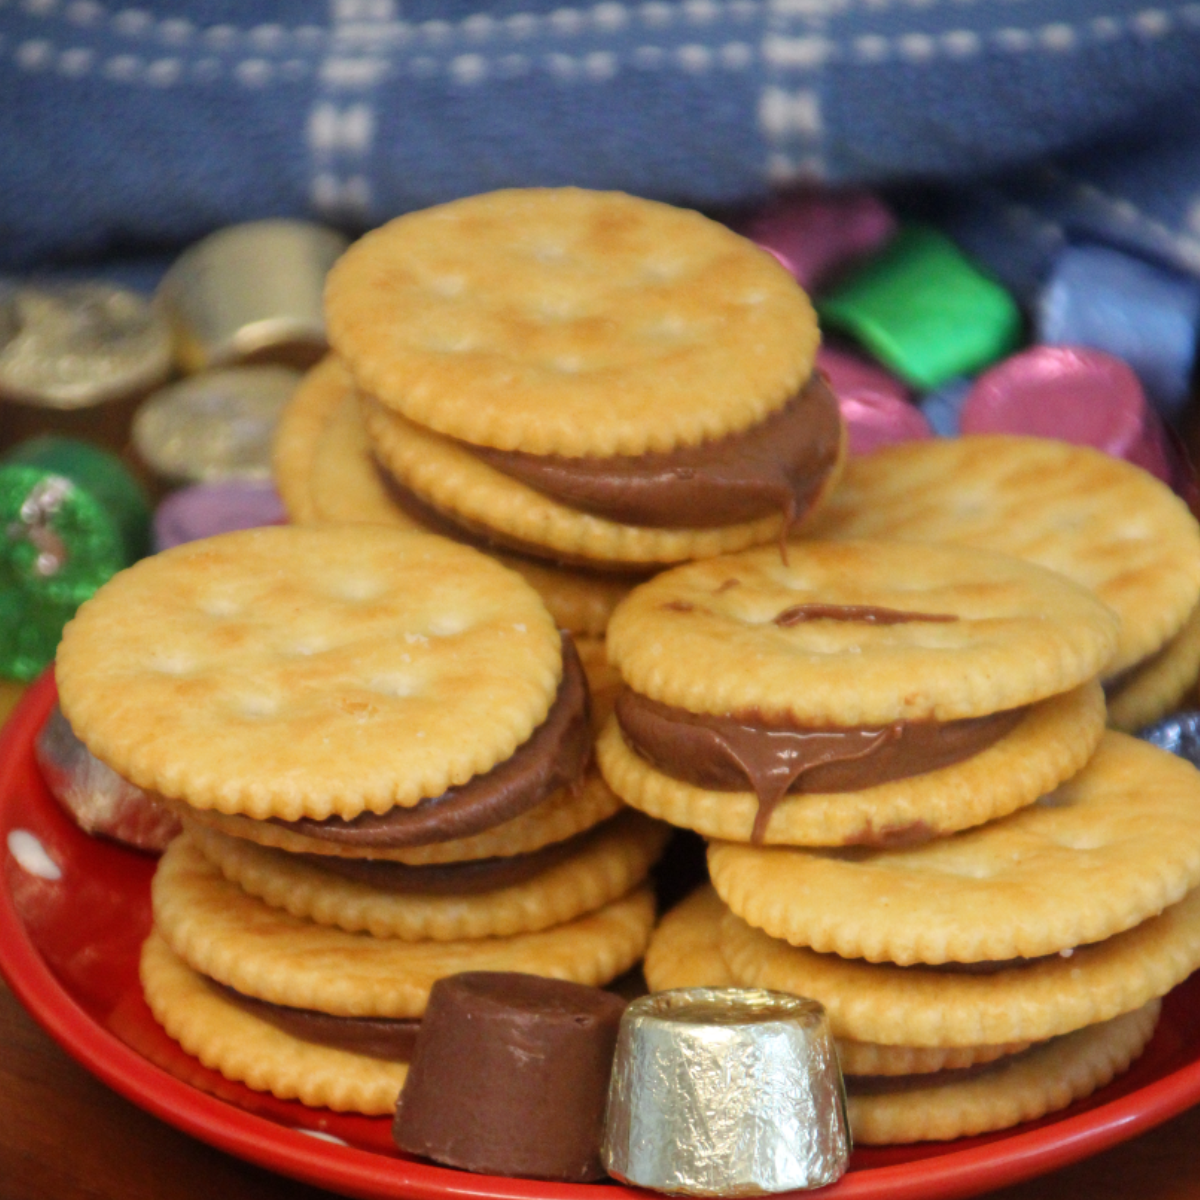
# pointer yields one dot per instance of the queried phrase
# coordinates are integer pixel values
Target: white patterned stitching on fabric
(1027, 222)
(810, 51)
(353, 72)
(607, 16)
(806, 52)
(341, 130)
(332, 129)
(782, 113)
(1122, 209)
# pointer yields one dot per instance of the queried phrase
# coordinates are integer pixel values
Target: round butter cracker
(301, 431)
(1098, 520)
(613, 860)
(566, 321)
(1044, 1079)
(1112, 846)
(325, 471)
(299, 671)
(467, 491)
(922, 1006)
(225, 933)
(685, 952)
(564, 814)
(1159, 684)
(226, 1038)
(1053, 741)
(977, 633)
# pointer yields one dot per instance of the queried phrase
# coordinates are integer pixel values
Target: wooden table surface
(65, 1136)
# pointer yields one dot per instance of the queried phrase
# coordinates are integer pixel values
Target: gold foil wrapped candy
(726, 1092)
(213, 426)
(75, 359)
(251, 293)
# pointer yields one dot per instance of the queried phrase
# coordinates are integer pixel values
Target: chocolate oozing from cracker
(744, 752)
(554, 756)
(509, 1076)
(868, 614)
(779, 464)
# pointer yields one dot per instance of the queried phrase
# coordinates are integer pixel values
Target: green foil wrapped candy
(71, 516)
(924, 310)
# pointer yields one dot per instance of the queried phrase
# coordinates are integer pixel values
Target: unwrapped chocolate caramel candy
(509, 1076)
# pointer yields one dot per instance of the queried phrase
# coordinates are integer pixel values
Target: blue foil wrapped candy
(1141, 313)
(1179, 734)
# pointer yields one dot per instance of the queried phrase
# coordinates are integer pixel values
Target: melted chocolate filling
(864, 614)
(457, 529)
(742, 752)
(554, 756)
(779, 464)
(389, 1038)
(878, 1085)
(468, 878)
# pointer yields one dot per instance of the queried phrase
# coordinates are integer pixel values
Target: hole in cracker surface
(165, 663)
(1082, 839)
(667, 328)
(395, 685)
(256, 707)
(306, 648)
(549, 252)
(450, 342)
(552, 309)
(661, 271)
(448, 624)
(448, 287)
(969, 870)
(220, 606)
(357, 589)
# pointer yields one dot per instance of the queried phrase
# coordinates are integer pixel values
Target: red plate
(68, 948)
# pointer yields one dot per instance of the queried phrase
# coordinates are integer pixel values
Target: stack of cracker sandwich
(379, 745)
(991, 925)
(588, 385)
(573, 442)
(377, 736)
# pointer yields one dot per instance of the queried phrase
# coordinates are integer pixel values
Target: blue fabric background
(142, 127)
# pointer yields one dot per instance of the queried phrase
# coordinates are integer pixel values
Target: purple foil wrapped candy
(1072, 393)
(211, 508)
(816, 235)
(874, 420)
(850, 374)
(875, 404)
